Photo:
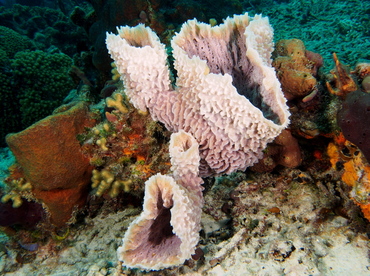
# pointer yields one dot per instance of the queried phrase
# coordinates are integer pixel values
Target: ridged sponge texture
(167, 231)
(227, 95)
(141, 62)
(184, 153)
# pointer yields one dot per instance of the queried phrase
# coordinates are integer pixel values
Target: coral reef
(346, 35)
(284, 150)
(162, 16)
(356, 172)
(332, 246)
(303, 205)
(42, 82)
(296, 68)
(340, 83)
(352, 117)
(32, 85)
(49, 29)
(125, 149)
(252, 110)
(12, 42)
(50, 158)
(350, 149)
(167, 231)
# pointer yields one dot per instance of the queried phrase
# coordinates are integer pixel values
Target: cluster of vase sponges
(226, 106)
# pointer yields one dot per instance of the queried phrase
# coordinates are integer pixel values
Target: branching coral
(17, 187)
(15, 197)
(105, 180)
(117, 102)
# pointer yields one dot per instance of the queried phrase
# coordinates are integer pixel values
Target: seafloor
(288, 222)
(301, 237)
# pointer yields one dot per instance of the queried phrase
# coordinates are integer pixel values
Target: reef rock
(227, 94)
